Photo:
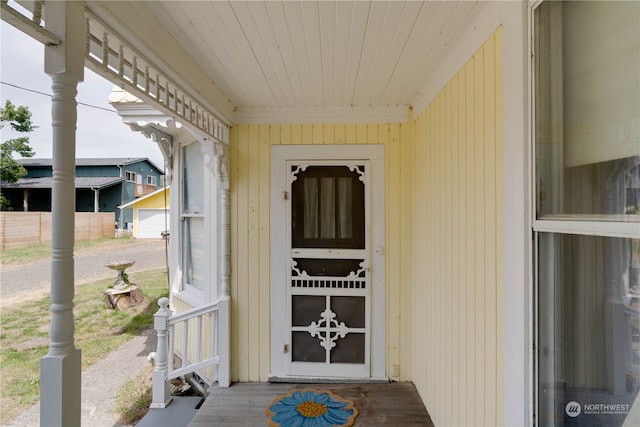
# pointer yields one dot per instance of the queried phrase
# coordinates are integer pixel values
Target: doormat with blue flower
(311, 408)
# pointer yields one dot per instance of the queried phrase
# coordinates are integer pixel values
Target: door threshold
(327, 380)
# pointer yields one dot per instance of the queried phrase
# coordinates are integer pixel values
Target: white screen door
(327, 262)
(328, 286)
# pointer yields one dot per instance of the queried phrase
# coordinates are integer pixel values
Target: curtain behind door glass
(345, 228)
(327, 208)
(310, 208)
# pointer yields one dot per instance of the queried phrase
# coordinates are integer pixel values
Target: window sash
(194, 250)
(585, 135)
(193, 215)
(193, 196)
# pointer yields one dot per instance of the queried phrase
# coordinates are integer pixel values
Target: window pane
(587, 108)
(193, 178)
(194, 247)
(328, 208)
(588, 333)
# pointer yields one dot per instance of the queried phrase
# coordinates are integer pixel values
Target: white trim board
(252, 116)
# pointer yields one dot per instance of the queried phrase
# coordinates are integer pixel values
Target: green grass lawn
(39, 252)
(24, 331)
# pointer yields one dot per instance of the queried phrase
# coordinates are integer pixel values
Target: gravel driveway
(32, 280)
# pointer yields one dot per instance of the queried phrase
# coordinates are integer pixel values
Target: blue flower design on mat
(311, 408)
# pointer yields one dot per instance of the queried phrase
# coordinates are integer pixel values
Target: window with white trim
(193, 209)
(151, 180)
(130, 176)
(586, 121)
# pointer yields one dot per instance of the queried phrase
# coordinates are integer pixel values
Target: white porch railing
(217, 356)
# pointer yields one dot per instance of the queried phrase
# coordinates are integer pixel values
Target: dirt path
(32, 280)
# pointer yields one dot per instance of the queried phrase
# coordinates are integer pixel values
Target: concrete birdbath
(122, 282)
(122, 294)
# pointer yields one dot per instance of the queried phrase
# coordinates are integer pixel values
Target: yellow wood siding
(250, 231)
(457, 241)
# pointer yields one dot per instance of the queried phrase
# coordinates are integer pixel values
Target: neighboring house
(102, 185)
(440, 192)
(151, 216)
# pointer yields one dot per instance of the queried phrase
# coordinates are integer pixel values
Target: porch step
(178, 413)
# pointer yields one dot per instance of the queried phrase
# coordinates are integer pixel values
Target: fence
(22, 229)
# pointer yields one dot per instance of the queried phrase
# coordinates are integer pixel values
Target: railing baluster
(214, 340)
(198, 357)
(185, 336)
(37, 12)
(214, 329)
(134, 76)
(105, 50)
(172, 336)
(121, 61)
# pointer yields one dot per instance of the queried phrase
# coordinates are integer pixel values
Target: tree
(19, 118)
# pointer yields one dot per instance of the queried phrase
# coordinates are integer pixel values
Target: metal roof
(108, 161)
(94, 182)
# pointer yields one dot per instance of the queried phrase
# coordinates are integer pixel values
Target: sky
(99, 133)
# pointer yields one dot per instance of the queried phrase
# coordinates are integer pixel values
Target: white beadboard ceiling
(308, 57)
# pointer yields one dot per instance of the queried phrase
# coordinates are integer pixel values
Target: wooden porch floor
(243, 404)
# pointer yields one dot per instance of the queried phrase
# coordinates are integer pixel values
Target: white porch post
(224, 261)
(224, 327)
(60, 385)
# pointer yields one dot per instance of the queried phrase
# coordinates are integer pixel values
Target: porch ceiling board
(272, 56)
(252, 61)
(226, 60)
(259, 34)
(445, 26)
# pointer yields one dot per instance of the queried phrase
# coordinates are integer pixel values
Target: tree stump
(121, 299)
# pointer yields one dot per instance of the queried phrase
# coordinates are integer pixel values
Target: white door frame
(280, 344)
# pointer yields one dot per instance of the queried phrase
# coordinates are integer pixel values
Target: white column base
(60, 390)
(161, 390)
